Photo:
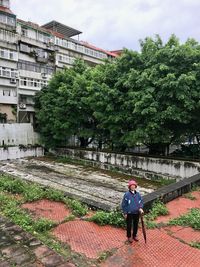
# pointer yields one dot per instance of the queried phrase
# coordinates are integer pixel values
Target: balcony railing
(7, 36)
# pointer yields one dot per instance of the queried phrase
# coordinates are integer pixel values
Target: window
(43, 37)
(25, 48)
(65, 59)
(34, 83)
(35, 67)
(24, 31)
(7, 72)
(6, 92)
(11, 21)
(7, 20)
(8, 54)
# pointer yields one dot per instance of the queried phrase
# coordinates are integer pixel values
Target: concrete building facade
(29, 55)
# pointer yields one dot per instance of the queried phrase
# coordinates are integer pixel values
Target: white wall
(16, 152)
(171, 168)
(18, 133)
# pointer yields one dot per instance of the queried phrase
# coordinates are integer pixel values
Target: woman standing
(132, 206)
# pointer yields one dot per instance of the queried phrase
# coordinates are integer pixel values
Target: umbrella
(143, 229)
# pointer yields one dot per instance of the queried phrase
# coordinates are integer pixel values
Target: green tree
(150, 97)
(164, 93)
(62, 110)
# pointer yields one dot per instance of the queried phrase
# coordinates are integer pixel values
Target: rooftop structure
(66, 31)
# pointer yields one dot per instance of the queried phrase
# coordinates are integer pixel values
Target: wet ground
(97, 188)
(100, 246)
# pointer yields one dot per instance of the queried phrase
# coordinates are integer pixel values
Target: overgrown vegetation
(195, 245)
(140, 97)
(158, 208)
(189, 196)
(10, 207)
(114, 218)
(31, 192)
(191, 219)
(14, 192)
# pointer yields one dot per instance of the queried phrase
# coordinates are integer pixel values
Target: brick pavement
(167, 246)
(55, 211)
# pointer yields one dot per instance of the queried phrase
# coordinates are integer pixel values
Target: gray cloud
(114, 24)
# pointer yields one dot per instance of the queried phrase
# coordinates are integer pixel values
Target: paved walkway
(166, 246)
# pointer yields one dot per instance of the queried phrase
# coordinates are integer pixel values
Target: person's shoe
(135, 238)
(130, 240)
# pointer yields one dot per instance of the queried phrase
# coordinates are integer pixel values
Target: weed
(150, 224)
(104, 255)
(11, 185)
(191, 219)
(112, 218)
(33, 192)
(54, 194)
(78, 209)
(189, 196)
(69, 218)
(158, 208)
(195, 245)
(43, 225)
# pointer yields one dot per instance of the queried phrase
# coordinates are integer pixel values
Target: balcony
(8, 100)
(7, 36)
(41, 59)
(33, 41)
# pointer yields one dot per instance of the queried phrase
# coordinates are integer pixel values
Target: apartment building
(29, 55)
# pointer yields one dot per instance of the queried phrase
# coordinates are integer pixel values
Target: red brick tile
(55, 211)
(89, 238)
(179, 206)
(187, 234)
(160, 250)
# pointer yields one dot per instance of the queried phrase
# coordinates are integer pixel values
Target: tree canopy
(150, 97)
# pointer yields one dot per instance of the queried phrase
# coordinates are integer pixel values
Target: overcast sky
(115, 24)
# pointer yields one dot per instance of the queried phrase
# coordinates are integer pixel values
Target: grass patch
(114, 218)
(40, 228)
(158, 209)
(189, 196)
(106, 254)
(163, 181)
(78, 209)
(191, 219)
(32, 192)
(195, 245)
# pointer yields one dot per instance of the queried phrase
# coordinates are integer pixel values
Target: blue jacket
(132, 202)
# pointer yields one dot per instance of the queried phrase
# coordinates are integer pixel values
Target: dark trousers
(132, 222)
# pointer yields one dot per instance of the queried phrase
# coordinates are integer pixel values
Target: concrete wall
(147, 167)
(16, 152)
(18, 133)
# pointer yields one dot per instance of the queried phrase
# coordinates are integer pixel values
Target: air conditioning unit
(22, 105)
(13, 81)
(44, 75)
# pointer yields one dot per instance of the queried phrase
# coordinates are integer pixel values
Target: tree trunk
(161, 149)
(83, 142)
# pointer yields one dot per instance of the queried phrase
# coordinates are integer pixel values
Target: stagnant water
(98, 188)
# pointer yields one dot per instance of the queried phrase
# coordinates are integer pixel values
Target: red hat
(132, 182)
